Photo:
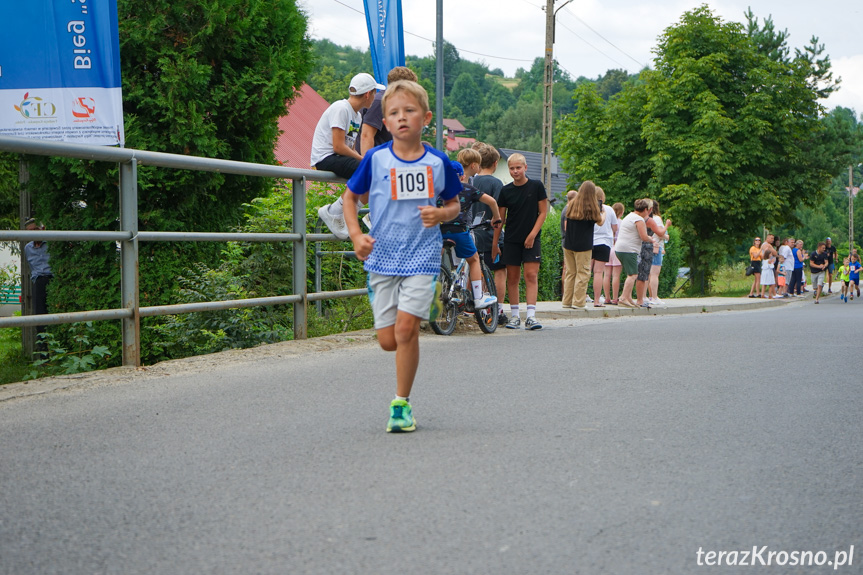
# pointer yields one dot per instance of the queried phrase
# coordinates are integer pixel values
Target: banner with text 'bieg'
(60, 71)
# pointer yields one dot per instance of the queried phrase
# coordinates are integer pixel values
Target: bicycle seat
(448, 244)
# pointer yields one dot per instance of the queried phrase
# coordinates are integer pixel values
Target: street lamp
(550, 15)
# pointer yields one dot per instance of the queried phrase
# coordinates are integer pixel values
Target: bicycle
(457, 294)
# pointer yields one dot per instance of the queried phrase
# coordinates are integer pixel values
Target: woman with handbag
(755, 263)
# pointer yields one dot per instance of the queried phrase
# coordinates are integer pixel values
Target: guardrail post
(129, 263)
(301, 309)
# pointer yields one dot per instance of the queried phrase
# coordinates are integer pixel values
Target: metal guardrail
(128, 237)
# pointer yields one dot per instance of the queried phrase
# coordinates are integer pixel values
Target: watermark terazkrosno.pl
(763, 556)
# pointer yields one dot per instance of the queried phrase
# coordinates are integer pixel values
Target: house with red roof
(297, 127)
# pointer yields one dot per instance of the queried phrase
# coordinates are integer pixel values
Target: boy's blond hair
(401, 73)
(489, 155)
(412, 88)
(516, 158)
(467, 156)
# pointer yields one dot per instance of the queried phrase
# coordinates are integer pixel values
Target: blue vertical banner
(60, 71)
(386, 36)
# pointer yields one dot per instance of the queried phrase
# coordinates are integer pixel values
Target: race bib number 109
(412, 183)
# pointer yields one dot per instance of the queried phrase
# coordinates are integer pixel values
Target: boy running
(845, 277)
(523, 206)
(402, 251)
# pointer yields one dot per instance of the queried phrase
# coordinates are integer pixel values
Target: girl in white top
(660, 236)
(603, 240)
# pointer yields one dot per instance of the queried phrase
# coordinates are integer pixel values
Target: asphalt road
(621, 446)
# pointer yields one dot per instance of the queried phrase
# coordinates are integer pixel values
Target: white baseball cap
(363, 83)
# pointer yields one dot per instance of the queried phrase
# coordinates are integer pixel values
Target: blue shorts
(464, 246)
(657, 259)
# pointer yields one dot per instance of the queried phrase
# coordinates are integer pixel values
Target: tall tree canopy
(725, 132)
(205, 78)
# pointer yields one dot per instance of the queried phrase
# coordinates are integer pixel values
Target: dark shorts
(601, 253)
(756, 265)
(645, 261)
(831, 267)
(486, 257)
(464, 246)
(517, 254)
(342, 166)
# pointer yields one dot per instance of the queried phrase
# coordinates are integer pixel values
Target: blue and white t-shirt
(403, 246)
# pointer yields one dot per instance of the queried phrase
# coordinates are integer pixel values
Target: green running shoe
(401, 417)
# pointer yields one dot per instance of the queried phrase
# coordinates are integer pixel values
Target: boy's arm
(339, 146)
(495, 210)
(496, 236)
(432, 216)
(367, 138)
(540, 219)
(363, 243)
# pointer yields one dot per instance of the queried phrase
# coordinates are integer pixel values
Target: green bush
(551, 268)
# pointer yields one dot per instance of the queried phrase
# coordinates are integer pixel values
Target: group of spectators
(778, 268)
(597, 238)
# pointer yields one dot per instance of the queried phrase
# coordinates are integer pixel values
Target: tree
(467, 96)
(724, 135)
(199, 78)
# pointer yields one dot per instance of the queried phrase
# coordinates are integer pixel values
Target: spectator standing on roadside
(38, 258)
(583, 213)
(334, 140)
(755, 263)
(523, 205)
(768, 274)
(612, 269)
(603, 240)
(796, 287)
(633, 233)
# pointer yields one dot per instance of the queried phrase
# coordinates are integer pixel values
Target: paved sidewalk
(671, 306)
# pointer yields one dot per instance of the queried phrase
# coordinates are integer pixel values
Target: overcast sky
(594, 36)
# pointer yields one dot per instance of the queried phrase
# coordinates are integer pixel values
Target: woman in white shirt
(603, 240)
(633, 232)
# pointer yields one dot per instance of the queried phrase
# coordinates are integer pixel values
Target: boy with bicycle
(402, 251)
(457, 230)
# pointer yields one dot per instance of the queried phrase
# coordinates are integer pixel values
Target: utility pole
(548, 87)
(850, 208)
(439, 87)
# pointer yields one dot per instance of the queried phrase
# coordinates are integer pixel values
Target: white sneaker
(602, 299)
(656, 301)
(589, 299)
(484, 302)
(336, 224)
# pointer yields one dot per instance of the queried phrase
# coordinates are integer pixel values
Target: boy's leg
(513, 274)
(407, 338)
(531, 282)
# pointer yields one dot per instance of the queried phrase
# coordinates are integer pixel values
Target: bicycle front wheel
(487, 317)
(446, 320)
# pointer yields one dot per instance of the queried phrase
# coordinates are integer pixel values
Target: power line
(432, 41)
(586, 25)
(574, 33)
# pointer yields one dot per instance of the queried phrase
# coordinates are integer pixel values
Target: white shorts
(391, 294)
(817, 279)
